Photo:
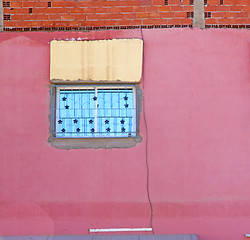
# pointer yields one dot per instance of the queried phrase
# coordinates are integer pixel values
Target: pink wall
(197, 102)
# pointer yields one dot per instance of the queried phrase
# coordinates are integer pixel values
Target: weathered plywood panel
(103, 60)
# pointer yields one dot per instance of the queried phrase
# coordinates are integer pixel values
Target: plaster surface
(196, 100)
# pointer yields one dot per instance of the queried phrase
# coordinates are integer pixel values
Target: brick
(9, 10)
(158, 2)
(223, 21)
(22, 24)
(17, 17)
(97, 23)
(88, 10)
(173, 21)
(154, 15)
(185, 2)
(230, 14)
(79, 17)
(83, 4)
(29, 17)
(101, 10)
(136, 22)
(173, 2)
(213, 2)
(60, 24)
(29, 4)
(142, 15)
(211, 21)
(22, 11)
(242, 2)
(246, 20)
(134, 3)
(38, 10)
(176, 8)
(121, 3)
(210, 8)
(235, 21)
(55, 17)
(70, 4)
(67, 17)
(10, 24)
(186, 21)
(108, 3)
(126, 9)
(188, 8)
(139, 9)
(218, 15)
(116, 16)
(114, 10)
(145, 2)
(63, 10)
(93, 16)
(76, 10)
(124, 22)
(180, 14)
(129, 16)
(242, 15)
(167, 14)
(151, 9)
(246, 8)
(51, 10)
(16, 4)
(148, 22)
(164, 9)
(42, 17)
(236, 8)
(41, 4)
(95, 3)
(223, 8)
(230, 2)
(35, 23)
(110, 22)
(58, 4)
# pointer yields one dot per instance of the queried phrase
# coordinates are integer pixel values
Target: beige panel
(103, 60)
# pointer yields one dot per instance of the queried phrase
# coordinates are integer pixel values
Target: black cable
(146, 127)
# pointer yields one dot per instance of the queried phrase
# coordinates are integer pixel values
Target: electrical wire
(146, 127)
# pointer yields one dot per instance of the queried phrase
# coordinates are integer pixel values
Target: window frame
(55, 101)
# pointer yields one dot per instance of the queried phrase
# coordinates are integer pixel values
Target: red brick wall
(228, 12)
(98, 13)
(87, 13)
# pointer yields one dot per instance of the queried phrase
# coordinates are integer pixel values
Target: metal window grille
(93, 111)
(221, 2)
(166, 2)
(205, 2)
(191, 2)
(49, 4)
(30, 10)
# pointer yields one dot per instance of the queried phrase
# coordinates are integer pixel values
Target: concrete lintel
(199, 16)
(1, 15)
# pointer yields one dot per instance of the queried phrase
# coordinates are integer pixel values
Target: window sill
(95, 143)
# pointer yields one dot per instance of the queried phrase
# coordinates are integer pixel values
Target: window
(93, 111)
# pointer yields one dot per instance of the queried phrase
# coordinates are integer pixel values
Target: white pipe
(120, 230)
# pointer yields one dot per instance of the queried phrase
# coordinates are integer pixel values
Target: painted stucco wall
(197, 110)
